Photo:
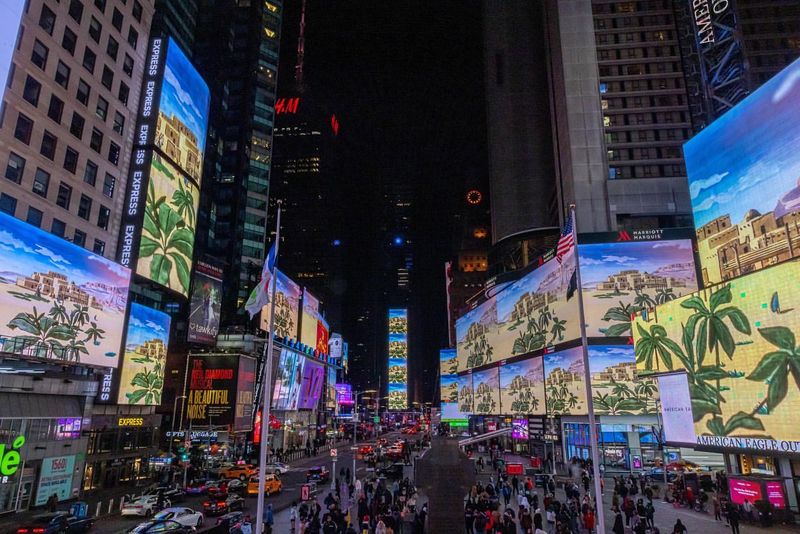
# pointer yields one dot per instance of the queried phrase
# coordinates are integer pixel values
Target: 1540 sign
(9, 460)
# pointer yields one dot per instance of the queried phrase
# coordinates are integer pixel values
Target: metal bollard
(97, 512)
(110, 505)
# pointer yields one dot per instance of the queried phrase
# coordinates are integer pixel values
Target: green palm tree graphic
(708, 326)
(664, 295)
(150, 384)
(622, 316)
(643, 300)
(654, 347)
(558, 329)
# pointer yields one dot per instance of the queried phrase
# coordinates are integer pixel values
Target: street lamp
(355, 428)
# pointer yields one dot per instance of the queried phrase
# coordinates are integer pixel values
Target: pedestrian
(537, 524)
(717, 508)
(733, 519)
(268, 519)
(650, 513)
(246, 526)
(619, 527)
(747, 507)
(679, 528)
(469, 519)
(515, 484)
(348, 475)
(506, 493)
(52, 502)
(293, 517)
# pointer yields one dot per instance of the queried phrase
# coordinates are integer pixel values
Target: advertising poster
(344, 394)
(285, 378)
(212, 389)
(245, 402)
(616, 387)
(775, 494)
(9, 28)
(57, 300)
(465, 396)
(743, 173)
(313, 328)
(676, 409)
(622, 278)
(205, 304)
(742, 489)
(311, 390)
(398, 359)
(398, 397)
(536, 311)
(519, 429)
(486, 386)
(737, 342)
(565, 388)
(330, 400)
(287, 307)
(55, 478)
(142, 372)
(170, 218)
(522, 387)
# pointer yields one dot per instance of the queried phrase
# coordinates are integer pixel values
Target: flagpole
(587, 375)
(266, 387)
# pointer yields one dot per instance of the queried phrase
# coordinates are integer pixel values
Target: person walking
(619, 527)
(733, 519)
(268, 519)
(506, 493)
(679, 528)
(717, 508)
(293, 517)
(515, 484)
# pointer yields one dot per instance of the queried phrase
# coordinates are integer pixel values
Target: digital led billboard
(12, 11)
(465, 396)
(486, 388)
(398, 359)
(620, 278)
(522, 387)
(314, 329)
(538, 310)
(287, 308)
(221, 390)
(311, 390)
(245, 395)
(344, 394)
(58, 300)
(743, 173)
(331, 391)
(616, 387)
(142, 370)
(565, 386)
(288, 380)
(737, 343)
(205, 304)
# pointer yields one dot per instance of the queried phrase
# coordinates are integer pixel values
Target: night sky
(406, 81)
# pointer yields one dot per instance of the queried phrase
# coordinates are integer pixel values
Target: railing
(484, 437)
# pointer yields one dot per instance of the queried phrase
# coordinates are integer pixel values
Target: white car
(143, 506)
(185, 516)
(276, 468)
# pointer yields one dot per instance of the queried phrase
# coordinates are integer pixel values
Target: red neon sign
(287, 105)
(335, 125)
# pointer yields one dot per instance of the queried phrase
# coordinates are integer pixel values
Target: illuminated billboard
(465, 396)
(205, 305)
(12, 16)
(536, 311)
(522, 387)
(616, 387)
(314, 329)
(486, 388)
(743, 173)
(142, 373)
(58, 300)
(344, 394)
(448, 383)
(564, 380)
(288, 380)
(398, 359)
(287, 308)
(311, 390)
(331, 391)
(620, 278)
(221, 390)
(735, 344)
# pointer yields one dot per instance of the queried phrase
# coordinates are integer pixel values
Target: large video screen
(465, 396)
(220, 390)
(313, 378)
(522, 387)
(398, 359)
(287, 307)
(314, 330)
(737, 343)
(10, 18)
(142, 375)
(622, 278)
(538, 310)
(205, 304)
(743, 180)
(616, 387)
(565, 386)
(486, 387)
(170, 219)
(448, 382)
(288, 380)
(57, 300)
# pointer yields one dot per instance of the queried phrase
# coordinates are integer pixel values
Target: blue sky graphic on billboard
(398, 359)
(58, 300)
(142, 374)
(743, 180)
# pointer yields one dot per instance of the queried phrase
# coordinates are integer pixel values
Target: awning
(22, 405)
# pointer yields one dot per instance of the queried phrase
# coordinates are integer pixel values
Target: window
(127, 65)
(76, 125)
(69, 40)
(119, 122)
(102, 108)
(34, 217)
(71, 160)
(108, 185)
(83, 92)
(15, 167)
(8, 204)
(133, 37)
(113, 153)
(23, 129)
(124, 91)
(90, 174)
(79, 238)
(89, 59)
(47, 19)
(64, 195)
(96, 142)
(41, 182)
(101, 5)
(48, 148)
(99, 247)
(62, 74)
(108, 77)
(58, 228)
(103, 217)
(112, 48)
(76, 10)
(137, 10)
(56, 108)
(116, 19)
(31, 91)
(95, 29)
(85, 207)
(39, 54)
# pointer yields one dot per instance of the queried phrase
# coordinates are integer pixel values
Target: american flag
(566, 241)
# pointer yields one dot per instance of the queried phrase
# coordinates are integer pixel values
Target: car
(272, 484)
(157, 527)
(318, 474)
(217, 488)
(227, 521)
(197, 487)
(223, 504)
(143, 506)
(174, 494)
(365, 450)
(392, 472)
(56, 523)
(237, 486)
(185, 516)
(276, 468)
(242, 472)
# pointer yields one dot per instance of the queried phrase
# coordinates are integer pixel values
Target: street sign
(376, 419)
(305, 492)
(334, 453)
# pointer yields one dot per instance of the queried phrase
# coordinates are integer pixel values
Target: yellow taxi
(242, 472)
(272, 484)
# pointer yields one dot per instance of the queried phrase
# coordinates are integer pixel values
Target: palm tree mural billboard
(142, 376)
(565, 384)
(287, 307)
(398, 358)
(486, 388)
(616, 387)
(735, 347)
(522, 387)
(57, 300)
(448, 380)
(465, 393)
